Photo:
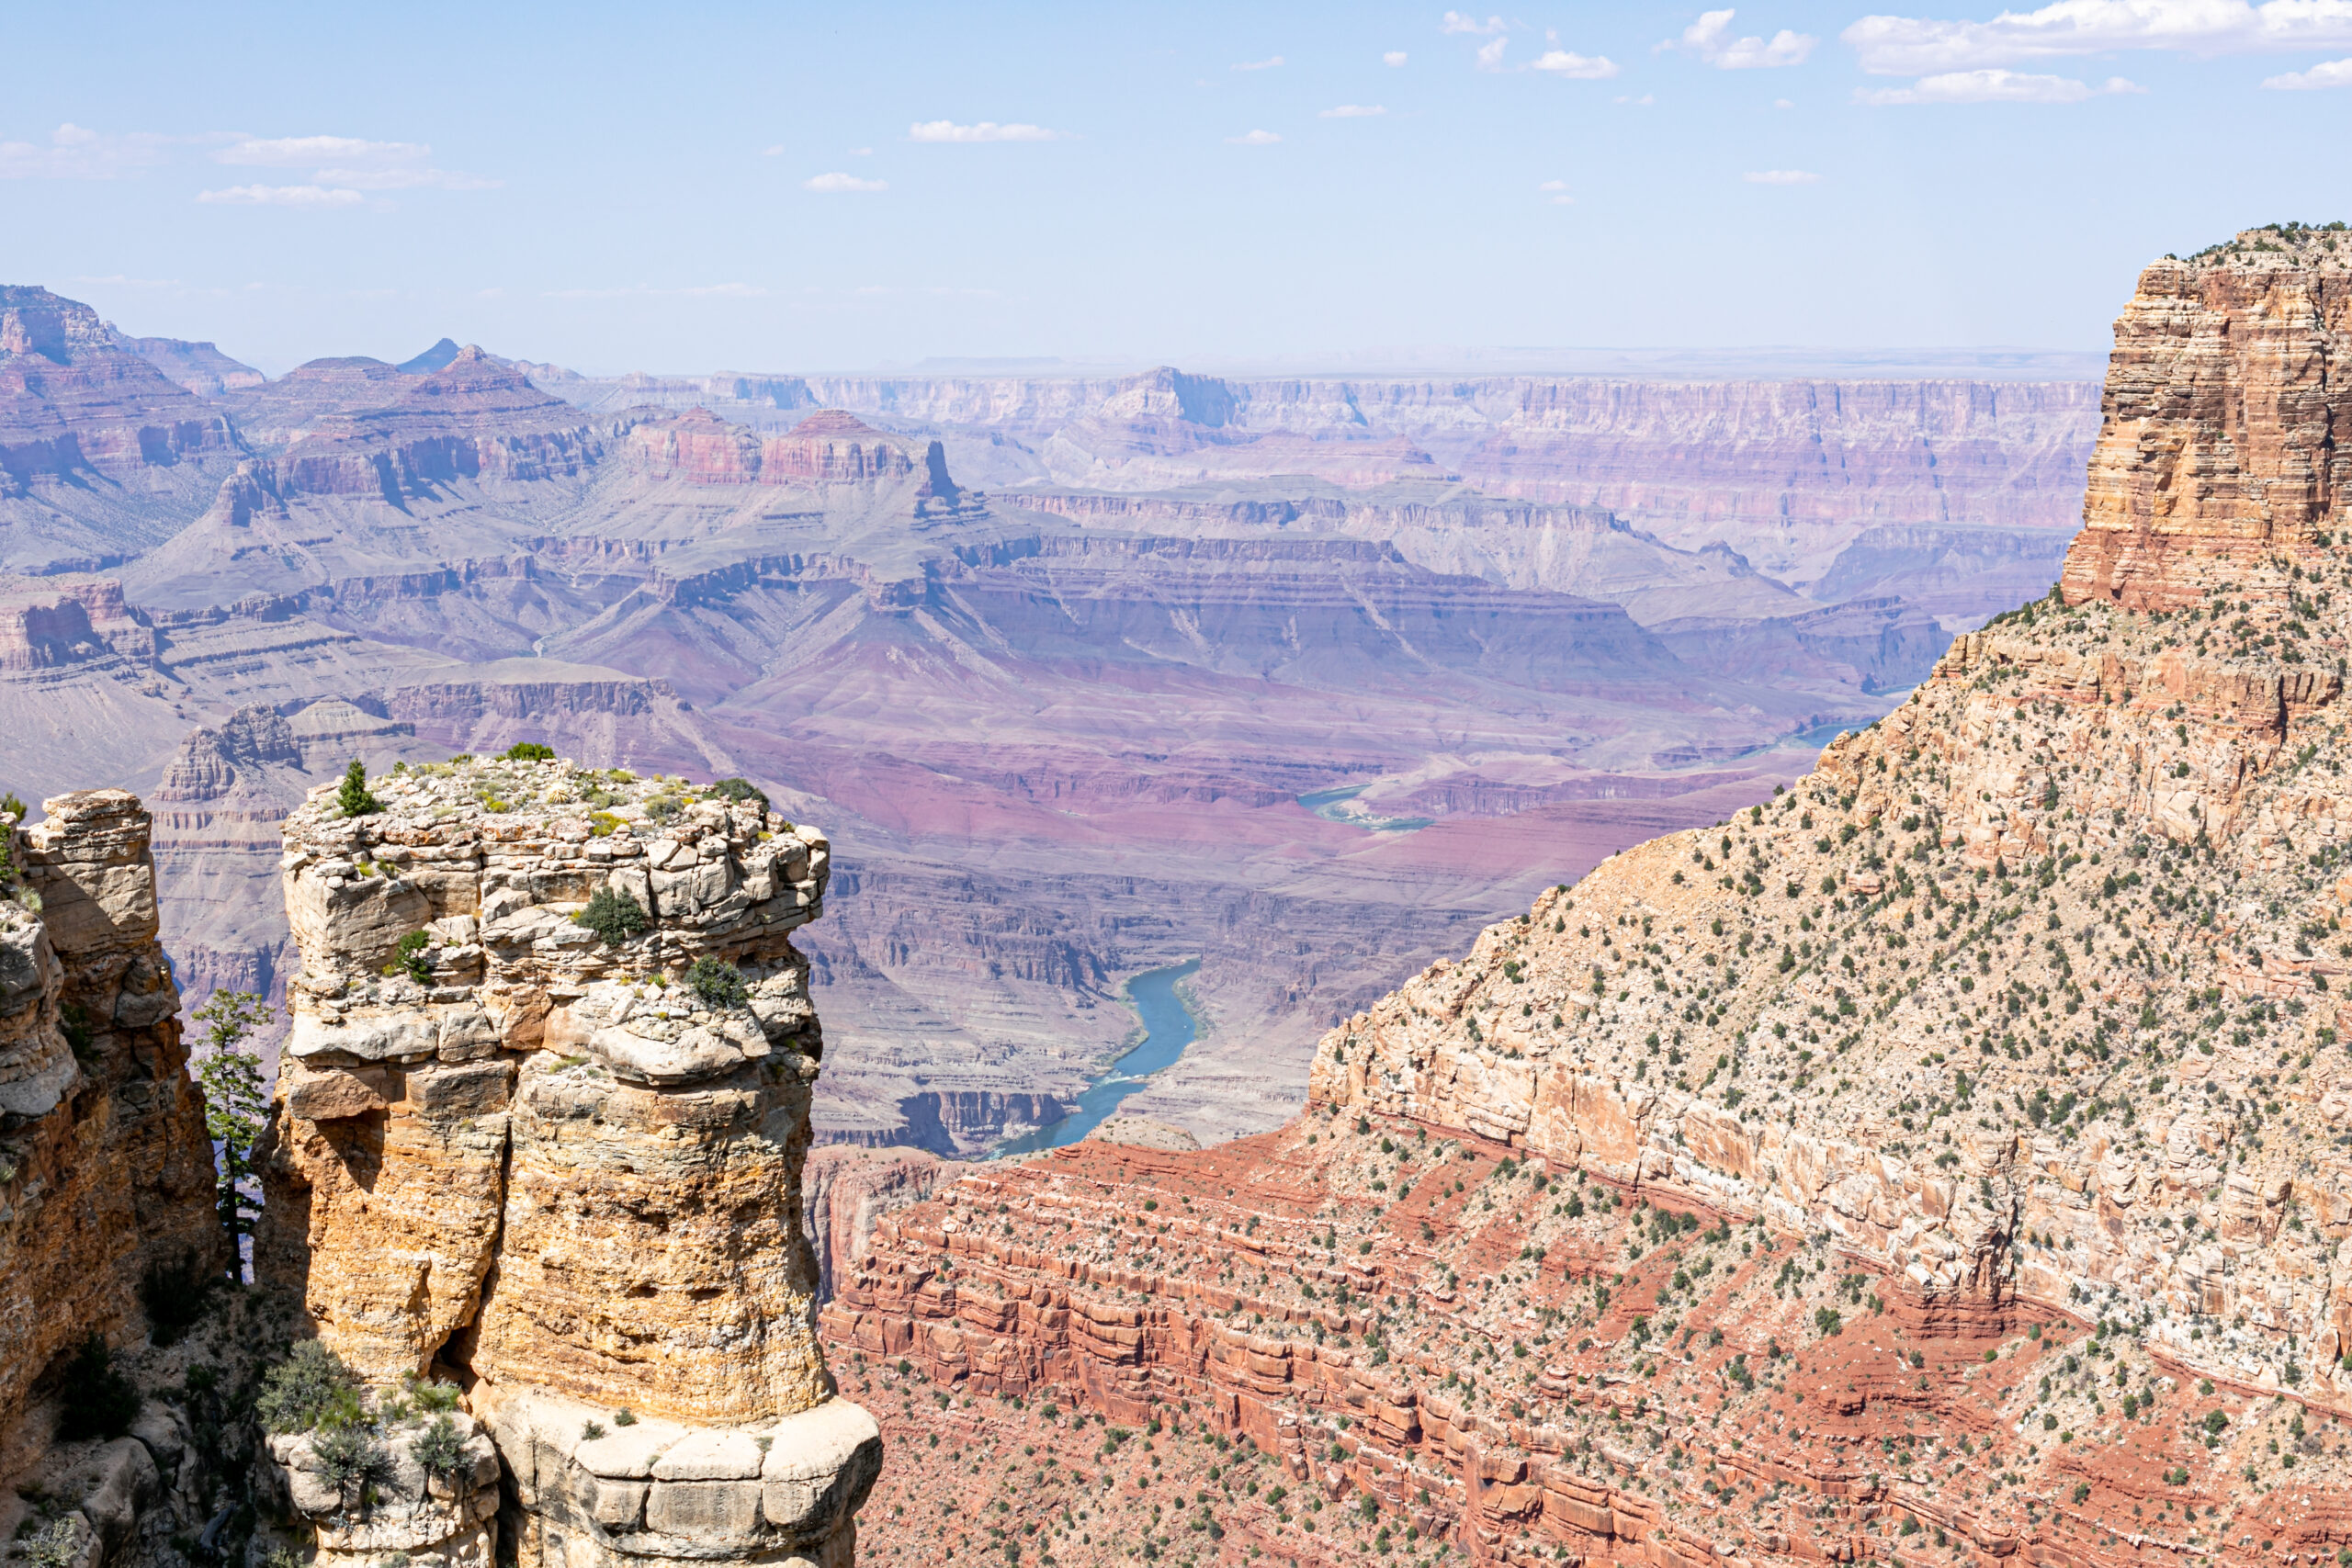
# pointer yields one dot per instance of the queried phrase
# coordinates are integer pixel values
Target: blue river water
(1168, 1029)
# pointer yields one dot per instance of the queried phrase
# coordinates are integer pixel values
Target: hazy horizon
(1199, 187)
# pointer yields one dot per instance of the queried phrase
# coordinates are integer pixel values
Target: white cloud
(75, 152)
(1642, 102)
(1266, 64)
(347, 163)
(861, 152)
(1780, 178)
(1393, 58)
(2333, 73)
(1490, 55)
(1784, 103)
(1353, 111)
(1255, 138)
(1993, 86)
(281, 196)
(1907, 46)
(832, 183)
(775, 152)
(1558, 191)
(1553, 185)
(1455, 22)
(1709, 38)
(294, 151)
(1576, 67)
(986, 130)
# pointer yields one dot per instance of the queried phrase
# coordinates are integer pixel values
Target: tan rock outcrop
(2228, 430)
(106, 1171)
(539, 1159)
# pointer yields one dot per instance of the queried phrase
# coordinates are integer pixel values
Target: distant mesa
(830, 421)
(201, 367)
(432, 360)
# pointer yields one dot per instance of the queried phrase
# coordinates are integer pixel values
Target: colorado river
(1168, 1029)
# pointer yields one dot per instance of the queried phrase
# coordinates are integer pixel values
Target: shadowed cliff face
(1950, 1151)
(108, 1169)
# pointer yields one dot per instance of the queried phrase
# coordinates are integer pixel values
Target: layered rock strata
(106, 1171)
(536, 1158)
(2226, 434)
(1955, 1149)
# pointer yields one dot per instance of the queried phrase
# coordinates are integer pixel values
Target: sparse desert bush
(612, 915)
(718, 983)
(310, 1388)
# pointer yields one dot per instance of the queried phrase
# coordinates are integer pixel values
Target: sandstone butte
(531, 1161)
(1947, 1161)
(537, 1195)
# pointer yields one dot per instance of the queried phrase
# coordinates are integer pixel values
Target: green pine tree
(353, 796)
(236, 1103)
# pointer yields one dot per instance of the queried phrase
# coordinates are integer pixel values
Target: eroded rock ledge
(535, 1160)
(105, 1173)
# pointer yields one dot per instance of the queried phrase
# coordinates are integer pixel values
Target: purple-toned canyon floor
(1304, 679)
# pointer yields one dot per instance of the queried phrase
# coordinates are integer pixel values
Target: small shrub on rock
(438, 1451)
(435, 1397)
(529, 751)
(614, 916)
(95, 1401)
(352, 1461)
(738, 790)
(59, 1546)
(718, 983)
(412, 960)
(310, 1388)
(175, 1293)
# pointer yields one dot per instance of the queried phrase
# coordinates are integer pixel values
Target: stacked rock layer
(1956, 1148)
(106, 1172)
(529, 1156)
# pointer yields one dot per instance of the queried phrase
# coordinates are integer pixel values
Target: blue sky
(624, 187)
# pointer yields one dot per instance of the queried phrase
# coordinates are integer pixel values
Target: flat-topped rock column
(543, 1110)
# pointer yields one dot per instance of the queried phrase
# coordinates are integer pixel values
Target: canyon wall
(562, 1165)
(2227, 440)
(1786, 470)
(1950, 1151)
(108, 1170)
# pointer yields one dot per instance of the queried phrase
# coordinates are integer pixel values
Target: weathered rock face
(535, 1156)
(108, 1172)
(76, 398)
(2021, 1017)
(445, 1516)
(845, 1192)
(2228, 428)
